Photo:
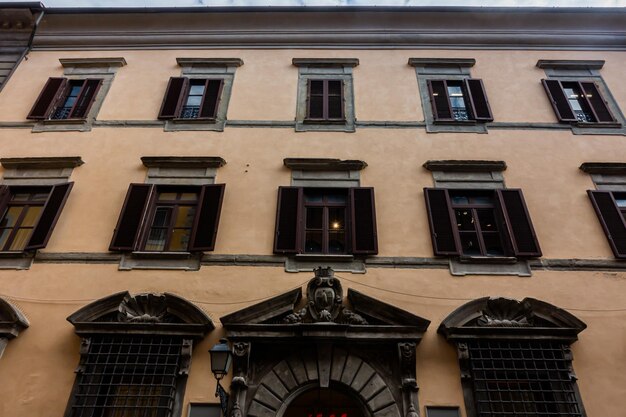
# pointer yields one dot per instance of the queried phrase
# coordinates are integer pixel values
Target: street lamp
(221, 357)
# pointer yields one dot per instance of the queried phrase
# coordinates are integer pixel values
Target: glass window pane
(336, 242)
(32, 215)
(189, 196)
(75, 90)
(185, 216)
(11, 216)
(161, 217)
(4, 235)
(314, 217)
(156, 240)
(69, 102)
(336, 218)
(317, 87)
(493, 244)
(194, 100)
(313, 242)
(481, 199)
(180, 240)
(335, 107)
(336, 198)
(464, 219)
(313, 196)
(334, 88)
(487, 220)
(620, 200)
(21, 239)
(469, 243)
(39, 196)
(20, 197)
(316, 107)
(196, 90)
(459, 199)
(167, 196)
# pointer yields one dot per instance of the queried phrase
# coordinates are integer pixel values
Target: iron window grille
(522, 378)
(128, 376)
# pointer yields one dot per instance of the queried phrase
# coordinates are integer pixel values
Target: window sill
(339, 263)
(185, 261)
(161, 255)
(456, 122)
(62, 125)
(324, 122)
(488, 259)
(16, 259)
(488, 265)
(614, 125)
(322, 257)
(198, 120)
(174, 125)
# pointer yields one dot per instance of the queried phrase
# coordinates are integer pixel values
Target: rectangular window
(128, 376)
(610, 206)
(66, 99)
(329, 221)
(325, 100)
(191, 98)
(169, 218)
(578, 101)
(522, 378)
(459, 100)
(480, 223)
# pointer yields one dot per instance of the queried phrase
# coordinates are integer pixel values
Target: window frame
(325, 98)
(469, 98)
(182, 95)
(57, 95)
(606, 208)
(326, 206)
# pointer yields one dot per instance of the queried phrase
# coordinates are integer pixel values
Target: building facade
(386, 212)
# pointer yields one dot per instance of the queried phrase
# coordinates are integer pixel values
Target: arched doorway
(325, 402)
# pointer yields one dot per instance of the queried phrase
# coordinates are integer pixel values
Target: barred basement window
(128, 376)
(522, 378)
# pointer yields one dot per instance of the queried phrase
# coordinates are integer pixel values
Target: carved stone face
(324, 298)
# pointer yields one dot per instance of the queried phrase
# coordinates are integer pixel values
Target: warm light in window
(336, 225)
(435, 94)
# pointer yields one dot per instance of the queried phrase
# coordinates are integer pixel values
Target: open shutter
(478, 99)
(85, 99)
(288, 220)
(308, 99)
(518, 223)
(442, 223)
(49, 216)
(597, 103)
(363, 221)
(211, 99)
(48, 96)
(170, 108)
(439, 100)
(559, 102)
(207, 218)
(5, 196)
(132, 217)
(611, 220)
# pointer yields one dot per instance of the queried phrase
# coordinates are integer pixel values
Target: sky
(328, 3)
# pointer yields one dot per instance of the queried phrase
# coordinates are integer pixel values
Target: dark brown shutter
(439, 100)
(288, 220)
(86, 98)
(518, 223)
(207, 218)
(132, 217)
(363, 221)
(5, 196)
(334, 113)
(597, 103)
(611, 220)
(559, 102)
(478, 99)
(48, 96)
(49, 216)
(174, 94)
(441, 219)
(211, 99)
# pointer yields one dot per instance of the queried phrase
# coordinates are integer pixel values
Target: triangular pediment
(12, 321)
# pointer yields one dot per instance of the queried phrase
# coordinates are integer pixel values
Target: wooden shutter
(363, 221)
(174, 94)
(559, 102)
(597, 103)
(132, 217)
(207, 218)
(478, 99)
(5, 196)
(48, 96)
(329, 115)
(288, 220)
(518, 223)
(85, 98)
(49, 216)
(211, 99)
(443, 230)
(611, 220)
(439, 99)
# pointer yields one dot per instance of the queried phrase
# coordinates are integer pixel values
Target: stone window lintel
(92, 62)
(570, 64)
(324, 164)
(183, 162)
(464, 165)
(325, 62)
(442, 62)
(46, 162)
(209, 62)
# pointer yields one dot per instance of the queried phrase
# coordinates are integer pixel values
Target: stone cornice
(570, 64)
(465, 166)
(324, 164)
(604, 168)
(46, 162)
(182, 162)
(209, 62)
(429, 28)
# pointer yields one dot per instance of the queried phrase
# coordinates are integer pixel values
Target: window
(610, 206)
(578, 101)
(326, 221)
(168, 218)
(191, 98)
(479, 223)
(62, 98)
(459, 100)
(29, 214)
(325, 101)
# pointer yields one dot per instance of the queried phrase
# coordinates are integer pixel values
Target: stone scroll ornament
(324, 305)
(505, 312)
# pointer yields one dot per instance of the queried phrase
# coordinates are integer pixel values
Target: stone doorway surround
(285, 346)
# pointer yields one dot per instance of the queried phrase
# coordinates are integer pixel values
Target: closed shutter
(559, 102)
(335, 106)
(518, 223)
(288, 220)
(439, 99)
(597, 103)
(132, 217)
(611, 220)
(207, 218)
(85, 99)
(363, 221)
(170, 108)
(211, 99)
(441, 219)
(49, 216)
(478, 99)
(48, 96)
